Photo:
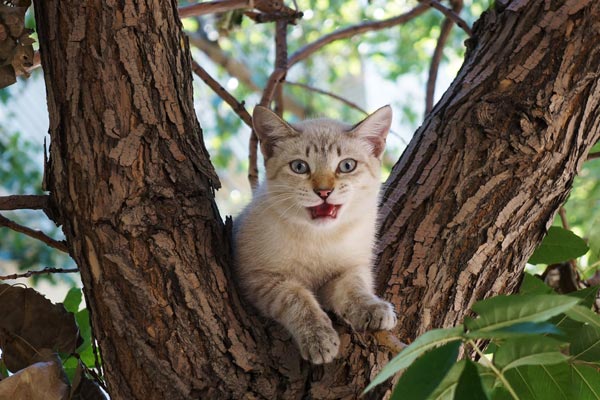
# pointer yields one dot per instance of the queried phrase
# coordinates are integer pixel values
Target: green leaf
(585, 382)
(559, 245)
(85, 350)
(502, 311)
(541, 382)
(534, 285)
(422, 344)
(529, 351)
(72, 300)
(521, 329)
(587, 295)
(583, 314)
(585, 345)
(445, 390)
(426, 373)
(469, 384)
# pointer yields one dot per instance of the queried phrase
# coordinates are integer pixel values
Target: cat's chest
(325, 254)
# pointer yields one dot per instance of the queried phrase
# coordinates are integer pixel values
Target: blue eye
(299, 166)
(347, 165)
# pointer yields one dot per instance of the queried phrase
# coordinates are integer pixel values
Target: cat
(305, 242)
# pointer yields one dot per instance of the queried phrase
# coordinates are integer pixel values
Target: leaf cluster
(49, 344)
(540, 345)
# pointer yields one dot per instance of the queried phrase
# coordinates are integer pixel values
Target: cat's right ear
(270, 128)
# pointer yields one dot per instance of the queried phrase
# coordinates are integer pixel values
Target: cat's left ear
(374, 129)
(270, 128)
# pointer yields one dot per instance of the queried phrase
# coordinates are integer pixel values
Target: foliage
(559, 245)
(38, 337)
(543, 346)
(19, 174)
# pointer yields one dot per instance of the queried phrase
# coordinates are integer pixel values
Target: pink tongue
(324, 210)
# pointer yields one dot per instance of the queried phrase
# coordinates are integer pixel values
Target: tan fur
(290, 266)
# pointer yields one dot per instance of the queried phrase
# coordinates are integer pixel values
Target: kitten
(305, 242)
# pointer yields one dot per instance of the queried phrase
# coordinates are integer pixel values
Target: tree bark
(132, 185)
(480, 182)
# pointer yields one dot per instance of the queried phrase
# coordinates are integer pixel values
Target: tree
(132, 185)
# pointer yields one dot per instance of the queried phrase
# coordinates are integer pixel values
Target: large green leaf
(583, 314)
(585, 382)
(558, 245)
(469, 385)
(541, 382)
(522, 329)
(585, 345)
(445, 390)
(426, 373)
(533, 285)
(502, 311)
(587, 295)
(422, 344)
(72, 300)
(529, 351)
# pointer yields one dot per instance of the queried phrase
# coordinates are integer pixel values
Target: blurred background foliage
(369, 70)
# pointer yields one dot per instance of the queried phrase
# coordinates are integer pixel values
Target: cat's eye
(299, 166)
(347, 165)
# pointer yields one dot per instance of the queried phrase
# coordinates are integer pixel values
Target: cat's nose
(323, 193)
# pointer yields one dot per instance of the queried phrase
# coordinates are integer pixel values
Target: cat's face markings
(318, 170)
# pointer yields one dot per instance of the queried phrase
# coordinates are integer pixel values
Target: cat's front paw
(320, 344)
(374, 315)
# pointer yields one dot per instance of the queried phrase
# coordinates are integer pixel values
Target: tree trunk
(132, 185)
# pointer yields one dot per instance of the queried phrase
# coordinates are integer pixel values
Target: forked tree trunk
(133, 187)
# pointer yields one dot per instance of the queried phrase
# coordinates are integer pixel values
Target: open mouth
(324, 210)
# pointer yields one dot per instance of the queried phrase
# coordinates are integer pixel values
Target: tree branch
(40, 272)
(593, 156)
(329, 94)
(353, 30)
(24, 202)
(239, 71)
(59, 245)
(211, 7)
(436, 58)
(237, 107)
(341, 99)
(276, 77)
(450, 14)
(281, 58)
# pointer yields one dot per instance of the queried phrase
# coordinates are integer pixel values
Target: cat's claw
(320, 346)
(373, 316)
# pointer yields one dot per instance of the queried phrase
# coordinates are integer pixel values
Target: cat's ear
(270, 128)
(374, 129)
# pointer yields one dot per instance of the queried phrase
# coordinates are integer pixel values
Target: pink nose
(323, 193)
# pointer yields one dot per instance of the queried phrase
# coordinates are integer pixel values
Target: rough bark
(473, 194)
(132, 185)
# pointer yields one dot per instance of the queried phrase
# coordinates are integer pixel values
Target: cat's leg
(351, 296)
(297, 309)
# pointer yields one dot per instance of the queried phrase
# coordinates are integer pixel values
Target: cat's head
(321, 171)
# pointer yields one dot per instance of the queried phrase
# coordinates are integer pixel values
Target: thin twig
(281, 58)
(40, 272)
(326, 93)
(24, 202)
(237, 107)
(449, 14)
(562, 213)
(276, 77)
(211, 7)
(353, 30)
(59, 245)
(436, 58)
(593, 156)
(239, 70)
(341, 99)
